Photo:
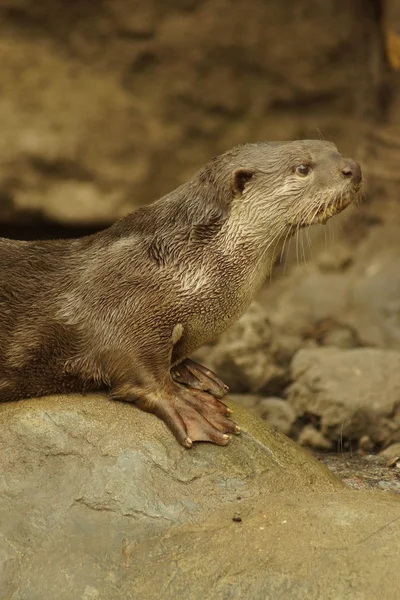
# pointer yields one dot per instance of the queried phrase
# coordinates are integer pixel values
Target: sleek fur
(124, 308)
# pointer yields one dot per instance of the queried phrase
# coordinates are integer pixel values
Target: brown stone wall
(105, 105)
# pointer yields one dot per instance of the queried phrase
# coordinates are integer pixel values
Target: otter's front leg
(196, 376)
(143, 377)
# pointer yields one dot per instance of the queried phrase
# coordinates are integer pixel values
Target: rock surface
(362, 471)
(278, 412)
(349, 394)
(355, 301)
(391, 452)
(245, 355)
(98, 501)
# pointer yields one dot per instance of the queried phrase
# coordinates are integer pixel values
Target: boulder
(98, 501)
(348, 394)
(244, 356)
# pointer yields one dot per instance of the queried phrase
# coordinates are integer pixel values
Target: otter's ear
(239, 179)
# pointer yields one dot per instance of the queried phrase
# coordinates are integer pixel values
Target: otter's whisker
(274, 242)
(287, 239)
(297, 243)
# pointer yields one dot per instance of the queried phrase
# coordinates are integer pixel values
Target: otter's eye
(303, 170)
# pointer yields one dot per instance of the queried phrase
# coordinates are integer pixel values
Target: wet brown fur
(120, 308)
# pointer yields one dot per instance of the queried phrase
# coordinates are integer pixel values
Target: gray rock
(339, 260)
(310, 436)
(279, 413)
(98, 501)
(350, 393)
(341, 337)
(247, 401)
(392, 451)
(244, 355)
(357, 306)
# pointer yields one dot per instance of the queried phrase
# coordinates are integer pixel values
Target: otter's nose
(352, 170)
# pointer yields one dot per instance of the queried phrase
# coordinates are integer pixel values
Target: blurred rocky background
(108, 105)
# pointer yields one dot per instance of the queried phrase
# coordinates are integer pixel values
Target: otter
(124, 309)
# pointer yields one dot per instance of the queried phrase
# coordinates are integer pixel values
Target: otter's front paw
(192, 415)
(196, 376)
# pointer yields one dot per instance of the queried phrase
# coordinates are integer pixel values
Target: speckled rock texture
(350, 393)
(247, 356)
(97, 500)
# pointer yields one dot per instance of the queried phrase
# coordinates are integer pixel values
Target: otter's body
(123, 307)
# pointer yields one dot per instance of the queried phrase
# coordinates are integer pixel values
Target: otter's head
(293, 184)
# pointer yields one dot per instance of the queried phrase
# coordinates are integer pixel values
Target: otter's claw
(196, 376)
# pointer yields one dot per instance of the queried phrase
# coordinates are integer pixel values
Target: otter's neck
(254, 248)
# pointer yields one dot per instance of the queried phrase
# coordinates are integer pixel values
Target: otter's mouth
(325, 212)
(330, 209)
